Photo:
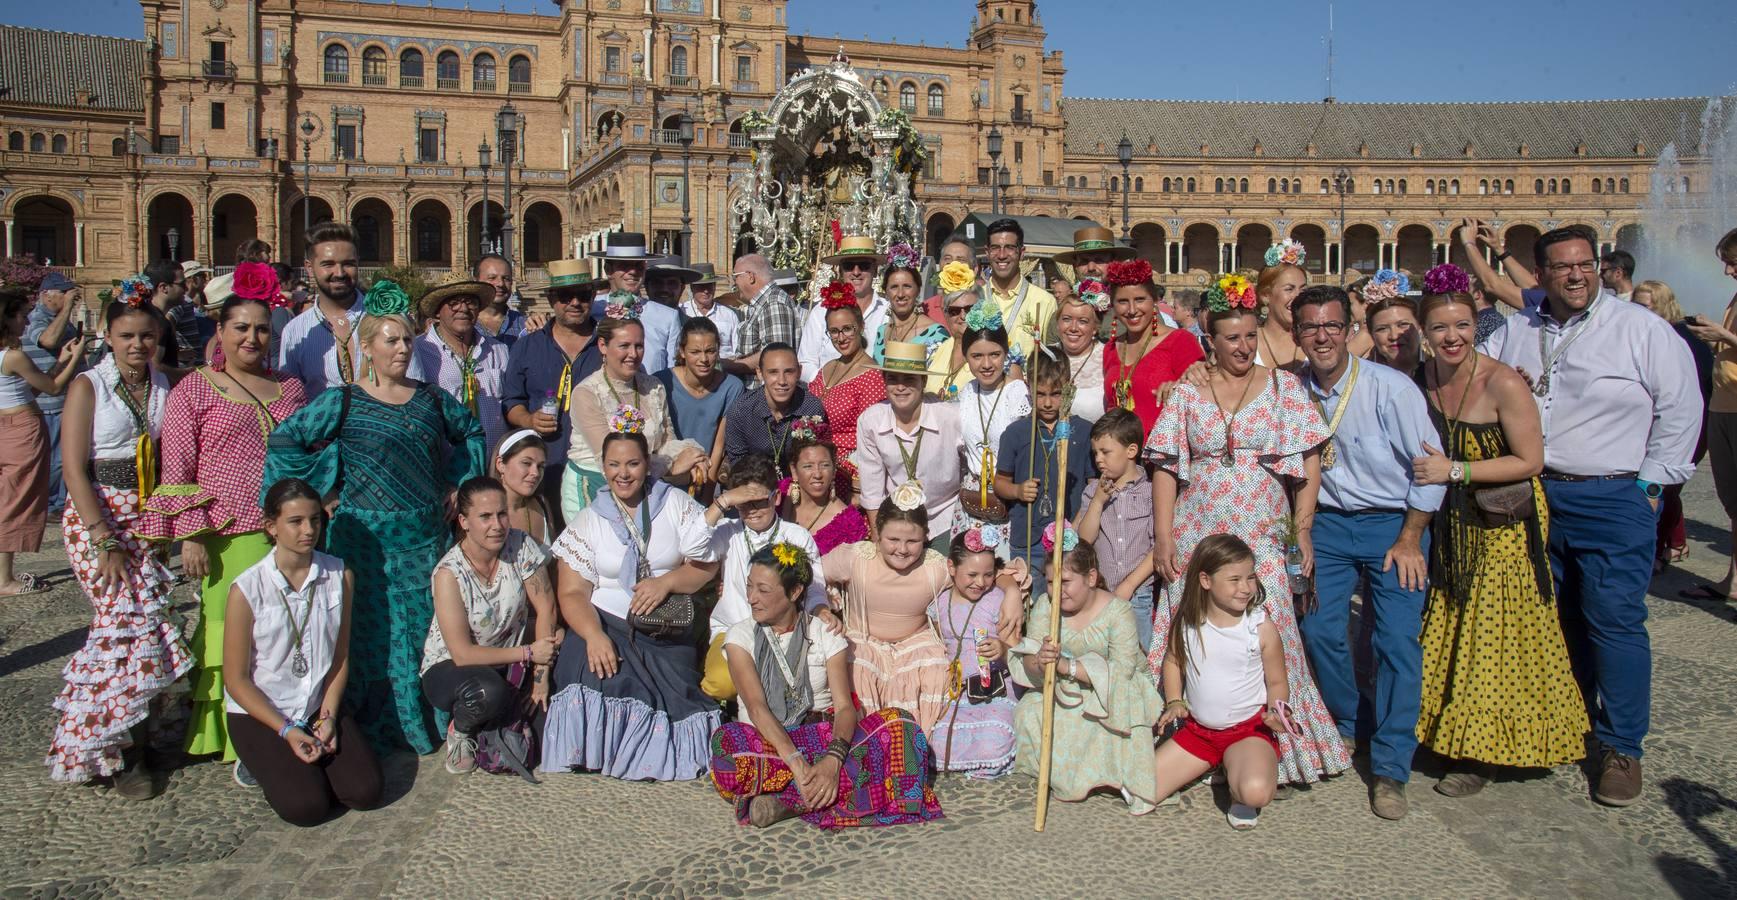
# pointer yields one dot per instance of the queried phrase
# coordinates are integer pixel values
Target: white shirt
(1623, 396)
(822, 646)
(727, 320)
(814, 349)
(271, 598)
(590, 548)
(732, 542)
(114, 434)
(437, 360)
(1088, 379)
(306, 350)
(1226, 682)
(982, 419)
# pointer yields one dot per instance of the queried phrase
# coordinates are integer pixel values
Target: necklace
(828, 504)
(632, 381)
(1228, 458)
(956, 671)
(786, 668)
(1549, 360)
(298, 660)
(1453, 421)
(843, 375)
(1330, 453)
(340, 344)
(1125, 373)
(909, 459)
(1045, 505)
(1273, 358)
(987, 455)
(905, 332)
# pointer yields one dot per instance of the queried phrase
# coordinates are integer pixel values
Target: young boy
(1117, 518)
(751, 484)
(1026, 470)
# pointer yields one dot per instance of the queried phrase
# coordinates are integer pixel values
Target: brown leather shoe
(1387, 798)
(1466, 779)
(1619, 779)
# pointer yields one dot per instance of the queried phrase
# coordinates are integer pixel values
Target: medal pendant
(1228, 459)
(1329, 455)
(1543, 387)
(299, 664)
(1045, 507)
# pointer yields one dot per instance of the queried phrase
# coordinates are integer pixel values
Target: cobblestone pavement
(576, 835)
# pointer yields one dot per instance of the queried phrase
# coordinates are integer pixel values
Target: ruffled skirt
(208, 727)
(911, 674)
(975, 738)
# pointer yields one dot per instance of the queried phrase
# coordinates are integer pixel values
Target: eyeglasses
(1004, 249)
(1331, 329)
(736, 275)
(1587, 266)
(857, 265)
(567, 298)
(841, 332)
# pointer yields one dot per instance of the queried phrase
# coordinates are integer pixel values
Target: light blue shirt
(308, 352)
(1382, 431)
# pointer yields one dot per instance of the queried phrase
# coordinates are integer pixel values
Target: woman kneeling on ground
(787, 757)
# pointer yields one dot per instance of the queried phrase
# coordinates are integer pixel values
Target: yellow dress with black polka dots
(1497, 685)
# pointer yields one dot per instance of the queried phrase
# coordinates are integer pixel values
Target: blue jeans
(1142, 603)
(1602, 537)
(56, 484)
(1347, 548)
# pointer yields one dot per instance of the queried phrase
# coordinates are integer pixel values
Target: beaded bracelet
(289, 724)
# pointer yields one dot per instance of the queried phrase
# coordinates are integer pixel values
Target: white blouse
(1087, 372)
(822, 646)
(982, 419)
(113, 432)
(495, 610)
(271, 597)
(590, 548)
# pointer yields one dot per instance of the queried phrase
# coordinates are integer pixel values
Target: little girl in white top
(995, 399)
(288, 621)
(1225, 675)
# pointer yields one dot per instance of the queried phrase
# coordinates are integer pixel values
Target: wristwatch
(1652, 489)
(1457, 472)
(1504, 255)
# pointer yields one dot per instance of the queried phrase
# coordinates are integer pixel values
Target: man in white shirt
(624, 258)
(320, 345)
(1620, 404)
(702, 304)
(856, 262)
(752, 485)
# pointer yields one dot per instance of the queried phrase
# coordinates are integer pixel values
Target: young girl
(287, 645)
(987, 406)
(24, 451)
(975, 733)
(1226, 670)
(520, 465)
(1105, 701)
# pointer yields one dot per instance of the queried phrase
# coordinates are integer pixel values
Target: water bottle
(1301, 585)
(550, 406)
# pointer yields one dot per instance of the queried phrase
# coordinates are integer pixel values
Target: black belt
(121, 474)
(1364, 512)
(1564, 476)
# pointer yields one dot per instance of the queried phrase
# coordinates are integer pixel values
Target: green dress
(392, 467)
(1103, 733)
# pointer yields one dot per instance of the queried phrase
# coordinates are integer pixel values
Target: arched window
(337, 66)
(1483, 185)
(937, 100)
(1324, 186)
(58, 145)
(1538, 186)
(1454, 186)
(1272, 185)
(1403, 189)
(1191, 186)
(1115, 184)
(1597, 186)
(38, 143)
(446, 70)
(374, 66)
(1243, 187)
(1508, 186)
(1139, 184)
(1429, 186)
(118, 147)
(908, 98)
(678, 61)
(1685, 184)
(1350, 185)
(1567, 186)
(1610, 185)
(1377, 185)
(410, 68)
(15, 142)
(1218, 185)
(1625, 185)
(519, 73)
(482, 73)
(430, 239)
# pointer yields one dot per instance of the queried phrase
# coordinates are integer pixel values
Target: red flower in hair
(1133, 271)
(258, 281)
(837, 295)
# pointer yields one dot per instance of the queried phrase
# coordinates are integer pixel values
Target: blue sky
(1455, 50)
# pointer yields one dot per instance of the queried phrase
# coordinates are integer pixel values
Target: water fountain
(1678, 227)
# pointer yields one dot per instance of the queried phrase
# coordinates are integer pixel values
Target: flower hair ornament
(985, 315)
(955, 277)
(902, 256)
(837, 295)
(1230, 292)
(1093, 293)
(1129, 271)
(790, 557)
(627, 419)
(1288, 252)
(386, 298)
(621, 305)
(258, 281)
(134, 290)
(810, 428)
(909, 496)
(1386, 285)
(1070, 538)
(1446, 278)
(983, 538)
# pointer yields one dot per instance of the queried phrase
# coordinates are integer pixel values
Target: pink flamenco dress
(1248, 498)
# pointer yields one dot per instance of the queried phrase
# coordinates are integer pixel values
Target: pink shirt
(880, 602)
(881, 462)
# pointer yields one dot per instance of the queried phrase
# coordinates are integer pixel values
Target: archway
(1415, 252)
(1457, 251)
(941, 227)
(1252, 241)
(1519, 241)
(542, 233)
(1200, 248)
(168, 211)
(46, 230)
(474, 229)
(431, 233)
(373, 221)
(1362, 249)
(1314, 241)
(320, 211)
(234, 221)
(1148, 238)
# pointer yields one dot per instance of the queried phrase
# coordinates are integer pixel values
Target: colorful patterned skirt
(885, 779)
(230, 555)
(132, 655)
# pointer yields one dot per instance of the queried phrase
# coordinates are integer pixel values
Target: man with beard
(1601, 368)
(458, 357)
(856, 263)
(664, 283)
(543, 366)
(624, 258)
(497, 318)
(319, 345)
(758, 423)
(1370, 523)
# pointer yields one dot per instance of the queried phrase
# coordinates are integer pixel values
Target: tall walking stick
(1061, 498)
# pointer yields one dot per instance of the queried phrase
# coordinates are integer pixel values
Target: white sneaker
(242, 776)
(460, 753)
(1242, 817)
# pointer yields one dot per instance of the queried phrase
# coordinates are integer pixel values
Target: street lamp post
(994, 170)
(1125, 153)
(174, 245)
(1004, 180)
(483, 159)
(308, 128)
(507, 142)
(1341, 184)
(685, 134)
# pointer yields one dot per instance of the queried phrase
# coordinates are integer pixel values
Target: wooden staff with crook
(1063, 429)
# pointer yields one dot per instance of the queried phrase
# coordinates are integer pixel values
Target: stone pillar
(650, 69)
(1441, 252)
(401, 246)
(1164, 265)
(78, 244)
(7, 225)
(459, 258)
(1226, 256)
(717, 40)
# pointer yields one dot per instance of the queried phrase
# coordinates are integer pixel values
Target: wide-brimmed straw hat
(904, 358)
(1096, 239)
(855, 248)
(431, 302)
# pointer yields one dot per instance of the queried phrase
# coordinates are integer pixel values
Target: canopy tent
(1045, 236)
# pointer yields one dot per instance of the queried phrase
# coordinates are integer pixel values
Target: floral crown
(627, 419)
(955, 277)
(902, 256)
(621, 305)
(983, 538)
(1070, 537)
(1288, 252)
(985, 315)
(386, 298)
(1386, 285)
(1128, 271)
(1446, 278)
(810, 428)
(1093, 293)
(1229, 292)
(258, 281)
(837, 295)
(134, 290)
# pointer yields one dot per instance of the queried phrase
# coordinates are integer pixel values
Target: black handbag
(673, 618)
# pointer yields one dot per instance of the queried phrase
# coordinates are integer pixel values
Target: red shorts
(1209, 744)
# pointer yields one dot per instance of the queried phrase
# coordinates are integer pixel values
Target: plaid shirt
(768, 318)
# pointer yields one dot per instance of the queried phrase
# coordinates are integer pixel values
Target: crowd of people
(811, 548)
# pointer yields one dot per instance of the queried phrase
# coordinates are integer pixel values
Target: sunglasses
(857, 266)
(958, 310)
